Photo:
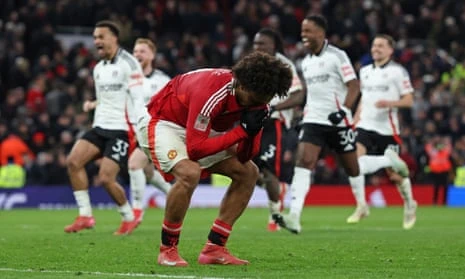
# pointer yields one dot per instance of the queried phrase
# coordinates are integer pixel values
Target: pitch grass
(33, 245)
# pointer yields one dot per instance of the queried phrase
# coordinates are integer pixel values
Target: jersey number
(347, 136)
(120, 147)
(269, 154)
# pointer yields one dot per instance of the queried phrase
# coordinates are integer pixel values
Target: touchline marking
(108, 273)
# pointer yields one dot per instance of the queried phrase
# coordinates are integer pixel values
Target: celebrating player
(117, 75)
(385, 87)
(332, 89)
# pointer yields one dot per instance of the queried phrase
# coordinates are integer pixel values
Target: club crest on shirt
(201, 123)
(172, 154)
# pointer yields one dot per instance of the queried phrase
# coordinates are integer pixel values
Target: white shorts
(164, 143)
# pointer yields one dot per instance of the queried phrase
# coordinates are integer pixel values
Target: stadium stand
(46, 61)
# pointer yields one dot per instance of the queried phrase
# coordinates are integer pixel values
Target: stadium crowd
(43, 81)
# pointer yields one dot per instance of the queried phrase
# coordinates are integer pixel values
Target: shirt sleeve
(345, 68)
(402, 82)
(201, 113)
(296, 84)
(249, 147)
(136, 90)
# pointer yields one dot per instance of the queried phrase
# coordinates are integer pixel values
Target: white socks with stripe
(275, 207)
(137, 182)
(299, 189)
(126, 212)
(367, 164)
(357, 183)
(405, 190)
(83, 202)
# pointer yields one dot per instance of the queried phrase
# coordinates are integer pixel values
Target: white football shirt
(153, 82)
(296, 85)
(115, 82)
(388, 82)
(326, 75)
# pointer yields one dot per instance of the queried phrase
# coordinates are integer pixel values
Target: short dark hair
(277, 39)
(263, 74)
(319, 20)
(114, 28)
(388, 38)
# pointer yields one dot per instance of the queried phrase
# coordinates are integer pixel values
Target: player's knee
(106, 179)
(252, 172)
(245, 172)
(72, 164)
(307, 163)
(133, 165)
(188, 174)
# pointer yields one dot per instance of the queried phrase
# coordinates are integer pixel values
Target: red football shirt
(200, 101)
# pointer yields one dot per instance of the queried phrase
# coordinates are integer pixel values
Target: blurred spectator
(14, 150)
(439, 151)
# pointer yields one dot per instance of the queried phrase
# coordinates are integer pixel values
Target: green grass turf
(33, 245)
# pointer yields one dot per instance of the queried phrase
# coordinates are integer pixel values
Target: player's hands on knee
(253, 120)
(336, 117)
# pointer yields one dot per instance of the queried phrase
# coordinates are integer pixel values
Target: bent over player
(211, 119)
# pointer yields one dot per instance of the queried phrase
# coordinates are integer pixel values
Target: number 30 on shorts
(347, 136)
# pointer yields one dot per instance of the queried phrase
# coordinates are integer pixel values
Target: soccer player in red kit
(210, 120)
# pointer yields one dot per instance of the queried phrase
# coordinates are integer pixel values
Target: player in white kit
(385, 87)
(117, 77)
(332, 88)
(140, 169)
(276, 157)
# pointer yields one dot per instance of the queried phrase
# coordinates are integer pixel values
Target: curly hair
(263, 74)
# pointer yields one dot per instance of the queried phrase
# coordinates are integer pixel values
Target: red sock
(219, 233)
(170, 233)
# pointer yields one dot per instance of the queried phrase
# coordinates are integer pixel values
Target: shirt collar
(325, 45)
(382, 66)
(114, 59)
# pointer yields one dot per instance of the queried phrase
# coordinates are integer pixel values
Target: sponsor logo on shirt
(382, 88)
(406, 84)
(136, 76)
(347, 70)
(317, 79)
(110, 87)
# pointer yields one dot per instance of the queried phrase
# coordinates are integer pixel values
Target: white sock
(299, 189)
(83, 202)
(275, 207)
(126, 212)
(357, 183)
(369, 164)
(405, 190)
(138, 182)
(158, 181)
